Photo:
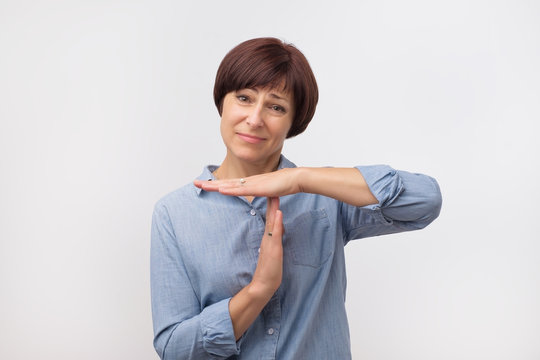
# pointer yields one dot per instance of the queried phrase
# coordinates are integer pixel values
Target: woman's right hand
(269, 271)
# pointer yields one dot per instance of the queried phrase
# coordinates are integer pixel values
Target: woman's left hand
(274, 184)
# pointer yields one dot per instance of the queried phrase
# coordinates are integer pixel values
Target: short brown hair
(270, 62)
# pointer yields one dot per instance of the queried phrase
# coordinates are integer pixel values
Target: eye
(278, 108)
(242, 98)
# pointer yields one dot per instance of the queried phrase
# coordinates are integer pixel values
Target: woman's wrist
(259, 293)
(301, 178)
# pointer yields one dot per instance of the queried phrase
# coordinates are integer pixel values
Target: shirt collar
(208, 170)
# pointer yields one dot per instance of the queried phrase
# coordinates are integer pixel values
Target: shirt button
(253, 212)
(270, 331)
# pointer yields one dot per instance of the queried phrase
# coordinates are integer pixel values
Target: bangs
(252, 72)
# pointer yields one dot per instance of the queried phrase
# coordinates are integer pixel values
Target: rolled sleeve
(406, 201)
(384, 183)
(217, 330)
(419, 203)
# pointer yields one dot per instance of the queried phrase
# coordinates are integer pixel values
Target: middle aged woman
(248, 261)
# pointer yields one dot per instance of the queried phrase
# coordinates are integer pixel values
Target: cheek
(231, 116)
(226, 121)
(286, 127)
(221, 127)
(280, 134)
(224, 126)
(226, 130)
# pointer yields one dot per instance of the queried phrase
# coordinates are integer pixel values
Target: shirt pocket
(307, 238)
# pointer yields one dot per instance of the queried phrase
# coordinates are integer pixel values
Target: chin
(250, 157)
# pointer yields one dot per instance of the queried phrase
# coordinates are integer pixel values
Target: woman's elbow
(431, 207)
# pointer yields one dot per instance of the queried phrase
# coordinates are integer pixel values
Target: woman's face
(255, 123)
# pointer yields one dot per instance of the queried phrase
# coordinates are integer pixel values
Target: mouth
(252, 139)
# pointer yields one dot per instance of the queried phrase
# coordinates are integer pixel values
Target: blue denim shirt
(204, 250)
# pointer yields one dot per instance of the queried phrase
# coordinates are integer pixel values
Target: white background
(105, 106)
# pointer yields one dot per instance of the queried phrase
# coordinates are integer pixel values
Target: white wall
(105, 106)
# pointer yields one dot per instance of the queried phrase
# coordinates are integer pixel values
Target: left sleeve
(407, 202)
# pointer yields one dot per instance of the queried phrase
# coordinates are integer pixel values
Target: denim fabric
(204, 249)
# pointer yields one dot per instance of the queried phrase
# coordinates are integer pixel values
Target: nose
(254, 117)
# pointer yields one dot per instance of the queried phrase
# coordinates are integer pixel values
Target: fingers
(277, 229)
(227, 187)
(207, 185)
(272, 205)
(236, 189)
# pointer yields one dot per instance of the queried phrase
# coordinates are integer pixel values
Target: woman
(248, 261)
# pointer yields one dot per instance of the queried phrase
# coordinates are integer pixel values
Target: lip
(250, 138)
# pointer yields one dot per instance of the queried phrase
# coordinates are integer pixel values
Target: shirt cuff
(383, 182)
(217, 330)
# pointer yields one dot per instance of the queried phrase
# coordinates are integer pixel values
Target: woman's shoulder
(182, 197)
(187, 194)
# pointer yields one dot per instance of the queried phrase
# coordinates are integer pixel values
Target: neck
(232, 167)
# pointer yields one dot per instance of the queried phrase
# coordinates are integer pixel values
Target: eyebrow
(275, 96)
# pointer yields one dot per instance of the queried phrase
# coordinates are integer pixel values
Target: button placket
(256, 227)
(272, 319)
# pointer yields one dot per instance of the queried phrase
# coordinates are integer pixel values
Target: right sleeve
(181, 329)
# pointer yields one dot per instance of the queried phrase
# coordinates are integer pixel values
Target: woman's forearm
(344, 184)
(244, 308)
